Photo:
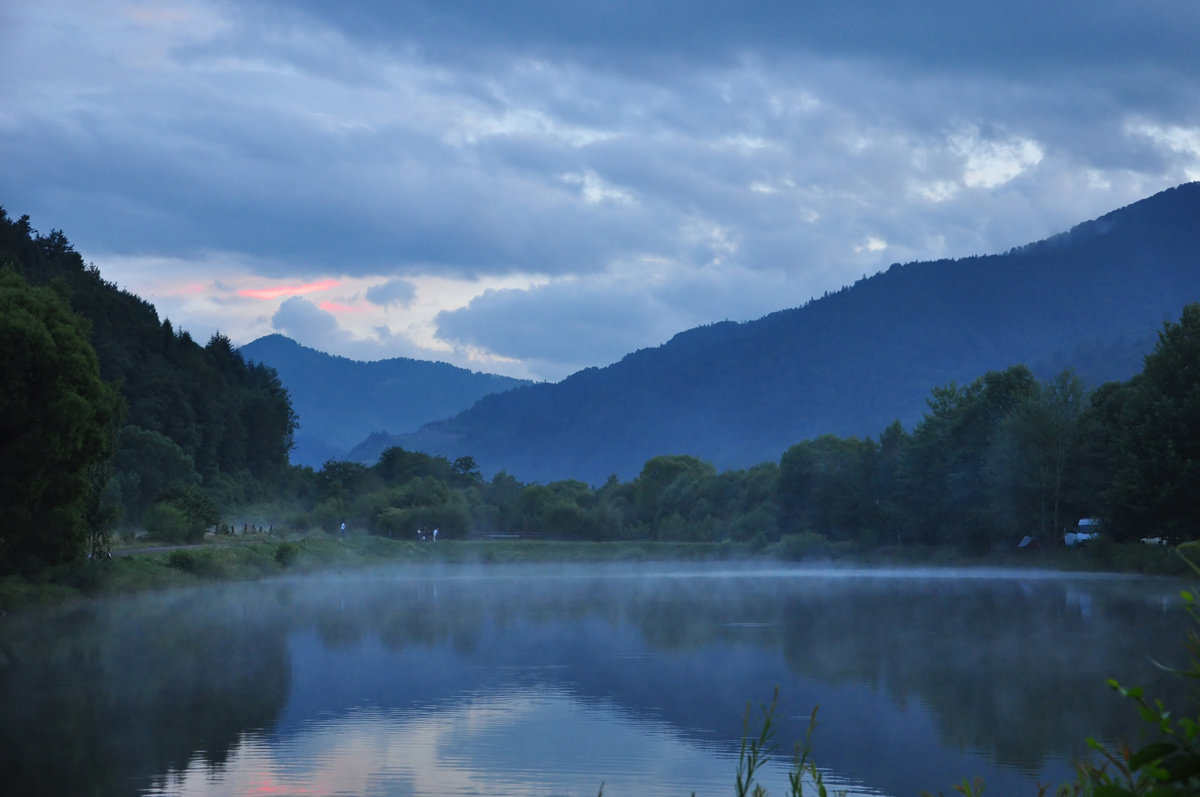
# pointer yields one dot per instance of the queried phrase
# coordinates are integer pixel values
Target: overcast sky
(531, 188)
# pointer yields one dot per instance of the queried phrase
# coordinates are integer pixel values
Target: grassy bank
(139, 568)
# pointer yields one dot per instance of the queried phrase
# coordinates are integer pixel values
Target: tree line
(109, 413)
(990, 462)
(111, 417)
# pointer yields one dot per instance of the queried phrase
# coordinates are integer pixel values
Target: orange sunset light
(289, 290)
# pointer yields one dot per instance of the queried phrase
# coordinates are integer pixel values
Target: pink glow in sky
(611, 189)
(340, 309)
(289, 290)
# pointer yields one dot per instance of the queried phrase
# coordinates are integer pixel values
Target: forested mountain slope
(341, 401)
(852, 362)
(194, 416)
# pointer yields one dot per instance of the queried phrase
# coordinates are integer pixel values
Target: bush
(805, 545)
(198, 563)
(190, 502)
(327, 516)
(451, 521)
(166, 522)
(286, 554)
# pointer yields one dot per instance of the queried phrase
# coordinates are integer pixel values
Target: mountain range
(340, 402)
(851, 362)
(738, 394)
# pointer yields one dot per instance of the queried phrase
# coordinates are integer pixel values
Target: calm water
(516, 681)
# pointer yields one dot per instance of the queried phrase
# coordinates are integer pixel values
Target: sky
(534, 187)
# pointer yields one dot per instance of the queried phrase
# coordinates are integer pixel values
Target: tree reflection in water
(921, 681)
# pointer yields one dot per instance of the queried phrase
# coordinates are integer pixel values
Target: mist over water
(553, 680)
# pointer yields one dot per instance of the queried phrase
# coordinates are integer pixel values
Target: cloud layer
(532, 188)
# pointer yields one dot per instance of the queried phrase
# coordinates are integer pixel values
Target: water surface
(510, 680)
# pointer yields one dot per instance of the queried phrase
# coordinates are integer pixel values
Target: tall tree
(827, 485)
(1157, 440)
(1037, 457)
(943, 477)
(660, 489)
(58, 422)
(233, 419)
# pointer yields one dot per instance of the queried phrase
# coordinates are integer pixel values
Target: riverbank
(255, 557)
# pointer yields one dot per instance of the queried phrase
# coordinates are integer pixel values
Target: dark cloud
(764, 152)
(607, 316)
(395, 291)
(1021, 36)
(604, 323)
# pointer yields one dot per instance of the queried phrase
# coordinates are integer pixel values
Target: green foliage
(327, 516)
(465, 466)
(1034, 452)
(828, 485)
(286, 554)
(166, 522)
(1002, 457)
(943, 473)
(231, 420)
(858, 358)
(423, 503)
(203, 564)
(147, 461)
(1170, 764)
(805, 545)
(397, 466)
(450, 520)
(756, 751)
(338, 480)
(1156, 439)
(57, 421)
(182, 513)
(674, 478)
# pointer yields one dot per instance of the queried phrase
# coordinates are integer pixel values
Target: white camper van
(1088, 529)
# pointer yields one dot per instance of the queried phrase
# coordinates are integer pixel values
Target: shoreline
(157, 567)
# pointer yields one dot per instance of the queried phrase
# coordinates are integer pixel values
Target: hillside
(194, 415)
(851, 362)
(341, 401)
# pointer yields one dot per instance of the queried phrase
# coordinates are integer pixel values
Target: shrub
(198, 563)
(805, 545)
(327, 516)
(286, 554)
(166, 522)
(182, 513)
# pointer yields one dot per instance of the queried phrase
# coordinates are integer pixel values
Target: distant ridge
(739, 394)
(341, 401)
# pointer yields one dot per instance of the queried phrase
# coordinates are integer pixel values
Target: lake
(515, 680)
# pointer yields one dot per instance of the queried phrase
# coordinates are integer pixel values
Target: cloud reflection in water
(523, 741)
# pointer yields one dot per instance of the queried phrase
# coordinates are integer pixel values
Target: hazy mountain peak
(340, 401)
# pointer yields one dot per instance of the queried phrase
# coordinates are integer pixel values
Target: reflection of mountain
(919, 681)
(98, 697)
